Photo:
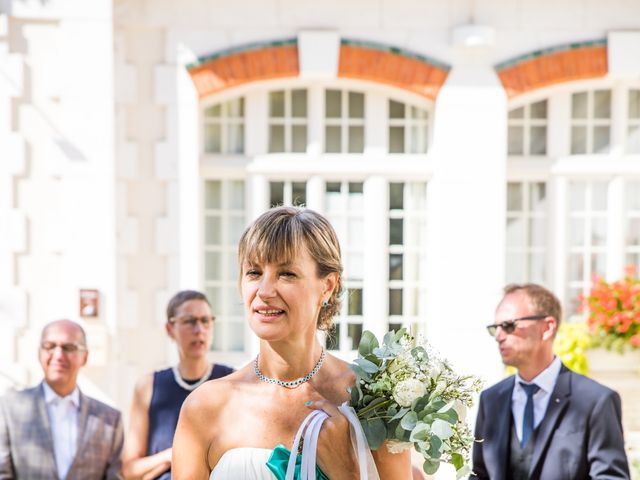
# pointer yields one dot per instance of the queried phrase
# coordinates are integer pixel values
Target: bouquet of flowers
(614, 311)
(409, 396)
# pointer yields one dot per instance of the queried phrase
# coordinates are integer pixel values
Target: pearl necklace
(190, 386)
(292, 383)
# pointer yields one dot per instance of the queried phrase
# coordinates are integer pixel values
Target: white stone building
(455, 146)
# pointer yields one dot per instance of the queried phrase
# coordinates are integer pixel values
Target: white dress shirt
(63, 417)
(546, 380)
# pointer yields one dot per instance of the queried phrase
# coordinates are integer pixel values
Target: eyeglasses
(508, 326)
(191, 322)
(68, 348)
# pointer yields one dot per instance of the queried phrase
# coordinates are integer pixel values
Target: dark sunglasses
(508, 326)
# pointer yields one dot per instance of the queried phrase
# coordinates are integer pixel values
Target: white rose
(406, 391)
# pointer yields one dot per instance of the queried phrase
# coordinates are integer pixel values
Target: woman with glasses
(158, 397)
(242, 426)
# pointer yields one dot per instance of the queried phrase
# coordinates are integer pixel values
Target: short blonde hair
(278, 236)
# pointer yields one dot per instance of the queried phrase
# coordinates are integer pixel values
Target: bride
(239, 426)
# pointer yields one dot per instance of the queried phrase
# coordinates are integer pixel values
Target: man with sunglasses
(544, 422)
(54, 431)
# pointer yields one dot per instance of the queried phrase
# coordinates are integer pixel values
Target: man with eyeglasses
(158, 396)
(544, 422)
(54, 431)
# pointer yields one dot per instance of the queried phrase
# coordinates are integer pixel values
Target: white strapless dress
(243, 464)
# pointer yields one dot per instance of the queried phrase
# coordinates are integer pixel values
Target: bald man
(53, 430)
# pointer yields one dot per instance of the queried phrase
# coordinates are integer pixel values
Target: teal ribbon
(279, 459)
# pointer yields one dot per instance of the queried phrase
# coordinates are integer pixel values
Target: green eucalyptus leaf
(387, 341)
(420, 432)
(375, 431)
(368, 342)
(399, 334)
(435, 450)
(399, 414)
(430, 466)
(360, 373)
(409, 421)
(441, 428)
(457, 460)
(366, 365)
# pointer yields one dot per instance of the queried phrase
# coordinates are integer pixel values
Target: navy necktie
(527, 419)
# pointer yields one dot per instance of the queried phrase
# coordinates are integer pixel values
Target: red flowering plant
(614, 311)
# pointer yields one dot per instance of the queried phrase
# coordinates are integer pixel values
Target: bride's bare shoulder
(213, 395)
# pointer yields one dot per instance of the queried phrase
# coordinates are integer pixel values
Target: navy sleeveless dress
(166, 400)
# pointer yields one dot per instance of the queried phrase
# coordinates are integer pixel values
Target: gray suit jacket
(580, 436)
(26, 444)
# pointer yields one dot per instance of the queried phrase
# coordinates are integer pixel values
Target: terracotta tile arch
(358, 60)
(564, 63)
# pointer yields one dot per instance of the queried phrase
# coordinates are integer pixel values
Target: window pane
(418, 139)
(633, 232)
(236, 108)
(538, 141)
(632, 194)
(276, 193)
(417, 196)
(396, 109)
(537, 197)
(333, 141)
(576, 232)
(578, 140)
(354, 331)
(299, 103)
(396, 196)
(395, 266)
(235, 138)
(299, 138)
(419, 113)
(516, 113)
(602, 103)
(599, 231)
(356, 197)
(212, 194)
(212, 266)
(395, 301)
(395, 231)
(276, 138)
(537, 232)
(356, 231)
(355, 267)
(516, 139)
(600, 139)
(577, 192)
(537, 268)
(579, 105)
(576, 268)
(515, 232)
(236, 336)
(236, 307)
(333, 104)
(539, 110)
(396, 139)
(212, 230)
(599, 201)
(213, 111)
(276, 104)
(356, 139)
(356, 105)
(234, 232)
(633, 139)
(355, 301)
(212, 138)
(236, 198)
(298, 193)
(634, 103)
(514, 197)
(598, 263)
(515, 267)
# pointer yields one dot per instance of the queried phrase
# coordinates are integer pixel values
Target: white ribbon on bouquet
(310, 428)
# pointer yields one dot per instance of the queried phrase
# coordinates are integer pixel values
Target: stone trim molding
(358, 60)
(551, 66)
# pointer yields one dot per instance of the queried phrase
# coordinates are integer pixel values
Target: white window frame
(409, 122)
(526, 122)
(344, 122)
(288, 121)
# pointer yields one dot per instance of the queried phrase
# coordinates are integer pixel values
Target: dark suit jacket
(26, 443)
(580, 436)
